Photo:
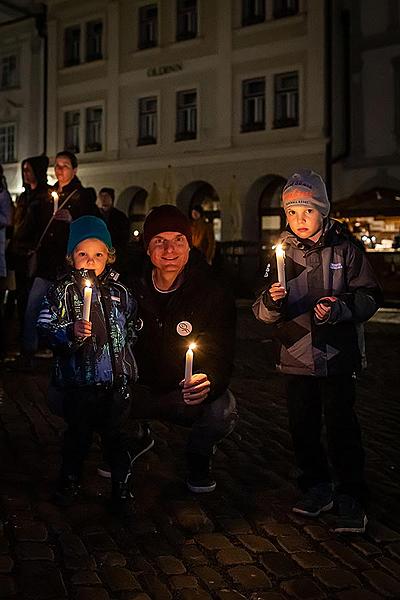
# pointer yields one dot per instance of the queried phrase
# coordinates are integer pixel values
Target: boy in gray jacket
(317, 316)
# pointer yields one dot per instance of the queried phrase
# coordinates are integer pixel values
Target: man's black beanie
(166, 217)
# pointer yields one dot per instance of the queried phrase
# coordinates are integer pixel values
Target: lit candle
(55, 202)
(87, 300)
(189, 363)
(280, 263)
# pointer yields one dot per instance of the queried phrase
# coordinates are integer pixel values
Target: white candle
(87, 300)
(55, 202)
(280, 263)
(189, 363)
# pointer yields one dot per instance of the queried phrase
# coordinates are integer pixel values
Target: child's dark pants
(101, 409)
(309, 400)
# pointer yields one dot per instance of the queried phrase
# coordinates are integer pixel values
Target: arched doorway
(202, 193)
(133, 202)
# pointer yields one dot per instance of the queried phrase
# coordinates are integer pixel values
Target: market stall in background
(373, 218)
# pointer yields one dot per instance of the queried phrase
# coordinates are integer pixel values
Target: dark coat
(24, 233)
(334, 266)
(104, 358)
(204, 302)
(118, 226)
(52, 251)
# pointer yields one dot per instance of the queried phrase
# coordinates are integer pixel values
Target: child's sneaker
(351, 517)
(316, 500)
(67, 491)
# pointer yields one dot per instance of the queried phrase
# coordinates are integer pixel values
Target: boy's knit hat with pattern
(306, 188)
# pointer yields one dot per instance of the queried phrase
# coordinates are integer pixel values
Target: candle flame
(192, 347)
(88, 283)
(279, 250)
(54, 195)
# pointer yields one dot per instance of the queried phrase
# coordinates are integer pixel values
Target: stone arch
(204, 194)
(262, 199)
(132, 202)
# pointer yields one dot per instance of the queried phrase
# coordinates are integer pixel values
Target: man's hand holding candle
(196, 390)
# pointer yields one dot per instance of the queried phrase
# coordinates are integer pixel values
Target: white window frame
(82, 108)
(188, 88)
(7, 55)
(157, 131)
(82, 24)
(5, 159)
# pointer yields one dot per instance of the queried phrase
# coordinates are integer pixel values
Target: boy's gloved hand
(82, 329)
(323, 308)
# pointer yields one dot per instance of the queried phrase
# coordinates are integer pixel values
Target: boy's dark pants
(107, 411)
(309, 400)
(209, 422)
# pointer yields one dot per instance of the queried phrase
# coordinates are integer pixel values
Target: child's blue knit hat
(306, 188)
(87, 227)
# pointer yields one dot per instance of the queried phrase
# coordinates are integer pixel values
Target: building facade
(22, 97)
(190, 102)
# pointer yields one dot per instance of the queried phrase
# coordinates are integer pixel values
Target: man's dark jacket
(203, 302)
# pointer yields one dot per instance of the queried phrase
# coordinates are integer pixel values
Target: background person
(52, 250)
(117, 223)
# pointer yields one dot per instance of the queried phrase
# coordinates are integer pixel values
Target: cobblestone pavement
(242, 541)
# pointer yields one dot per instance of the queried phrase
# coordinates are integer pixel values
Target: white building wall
(214, 64)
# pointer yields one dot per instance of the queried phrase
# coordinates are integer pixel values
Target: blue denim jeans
(37, 293)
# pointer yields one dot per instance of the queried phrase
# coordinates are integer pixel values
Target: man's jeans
(209, 422)
(37, 293)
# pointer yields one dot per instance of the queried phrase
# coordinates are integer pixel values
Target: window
(94, 34)
(72, 126)
(286, 100)
(186, 12)
(147, 121)
(7, 143)
(186, 115)
(8, 65)
(72, 46)
(94, 117)
(148, 25)
(285, 8)
(253, 104)
(253, 12)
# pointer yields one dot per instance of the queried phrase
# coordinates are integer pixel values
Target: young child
(316, 322)
(94, 363)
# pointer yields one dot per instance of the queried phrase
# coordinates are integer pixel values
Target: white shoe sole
(201, 489)
(352, 529)
(306, 513)
(106, 473)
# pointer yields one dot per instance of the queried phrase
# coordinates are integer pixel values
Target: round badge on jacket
(184, 328)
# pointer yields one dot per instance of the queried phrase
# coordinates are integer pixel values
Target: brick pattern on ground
(241, 542)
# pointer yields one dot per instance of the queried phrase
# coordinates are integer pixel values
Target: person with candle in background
(181, 302)
(72, 200)
(94, 362)
(316, 321)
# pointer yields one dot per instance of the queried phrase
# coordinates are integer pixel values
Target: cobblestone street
(240, 542)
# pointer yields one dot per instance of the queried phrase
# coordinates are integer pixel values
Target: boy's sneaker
(143, 444)
(351, 517)
(316, 500)
(104, 470)
(67, 491)
(200, 479)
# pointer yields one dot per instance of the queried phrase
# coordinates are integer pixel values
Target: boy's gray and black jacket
(105, 358)
(334, 266)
